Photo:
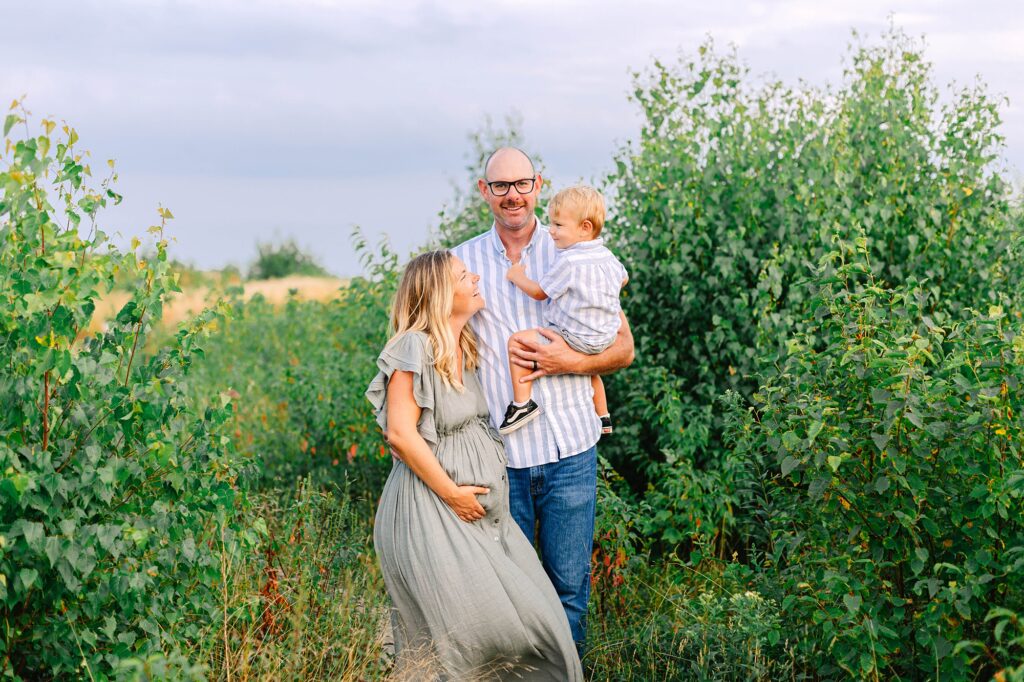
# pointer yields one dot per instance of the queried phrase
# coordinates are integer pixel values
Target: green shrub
(895, 485)
(733, 190)
(113, 485)
(687, 622)
(300, 374)
(283, 259)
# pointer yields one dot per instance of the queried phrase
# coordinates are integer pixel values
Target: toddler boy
(582, 289)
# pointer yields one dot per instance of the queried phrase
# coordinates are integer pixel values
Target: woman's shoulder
(410, 345)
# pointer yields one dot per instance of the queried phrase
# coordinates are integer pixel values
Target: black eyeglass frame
(513, 183)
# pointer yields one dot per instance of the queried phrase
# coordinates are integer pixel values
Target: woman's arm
(406, 441)
(517, 275)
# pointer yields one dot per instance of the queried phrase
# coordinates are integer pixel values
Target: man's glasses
(500, 188)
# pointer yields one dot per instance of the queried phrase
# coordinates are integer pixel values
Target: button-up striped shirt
(583, 292)
(568, 424)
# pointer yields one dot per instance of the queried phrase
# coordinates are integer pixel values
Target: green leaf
(33, 533)
(9, 122)
(28, 577)
(817, 487)
(852, 602)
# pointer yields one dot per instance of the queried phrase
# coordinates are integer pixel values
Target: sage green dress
(470, 600)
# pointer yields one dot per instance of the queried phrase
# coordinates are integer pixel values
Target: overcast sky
(252, 120)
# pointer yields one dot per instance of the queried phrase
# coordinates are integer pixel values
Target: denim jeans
(559, 499)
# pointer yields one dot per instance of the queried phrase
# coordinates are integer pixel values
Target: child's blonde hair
(423, 303)
(585, 200)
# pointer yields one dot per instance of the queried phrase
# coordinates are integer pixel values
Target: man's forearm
(617, 356)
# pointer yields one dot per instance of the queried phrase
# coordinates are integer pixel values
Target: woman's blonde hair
(423, 303)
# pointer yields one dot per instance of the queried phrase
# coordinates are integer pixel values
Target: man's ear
(481, 185)
(538, 184)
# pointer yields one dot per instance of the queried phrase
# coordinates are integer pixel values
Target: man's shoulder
(471, 243)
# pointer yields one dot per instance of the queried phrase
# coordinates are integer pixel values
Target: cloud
(201, 100)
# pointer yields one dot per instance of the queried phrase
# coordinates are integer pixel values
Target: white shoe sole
(521, 423)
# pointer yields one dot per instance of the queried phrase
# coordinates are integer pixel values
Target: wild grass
(310, 603)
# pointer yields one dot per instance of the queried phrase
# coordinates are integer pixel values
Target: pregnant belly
(471, 456)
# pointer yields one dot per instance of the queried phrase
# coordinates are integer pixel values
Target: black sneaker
(606, 425)
(517, 416)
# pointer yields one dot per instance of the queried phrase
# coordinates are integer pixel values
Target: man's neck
(516, 240)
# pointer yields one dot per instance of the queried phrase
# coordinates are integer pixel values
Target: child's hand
(517, 271)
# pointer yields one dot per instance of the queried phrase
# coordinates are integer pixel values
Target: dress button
(495, 521)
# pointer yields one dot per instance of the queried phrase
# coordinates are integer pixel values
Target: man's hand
(546, 359)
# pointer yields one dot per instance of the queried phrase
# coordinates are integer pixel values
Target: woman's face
(467, 294)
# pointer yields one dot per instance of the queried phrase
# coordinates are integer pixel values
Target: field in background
(193, 299)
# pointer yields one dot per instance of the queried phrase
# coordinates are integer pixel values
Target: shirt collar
(539, 233)
(592, 244)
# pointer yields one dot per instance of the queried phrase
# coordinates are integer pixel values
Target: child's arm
(517, 275)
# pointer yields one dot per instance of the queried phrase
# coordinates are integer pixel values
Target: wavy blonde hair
(423, 303)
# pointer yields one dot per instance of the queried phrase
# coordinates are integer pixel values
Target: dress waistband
(472, 422)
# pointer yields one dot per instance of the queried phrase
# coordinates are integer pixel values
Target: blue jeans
(560, 498)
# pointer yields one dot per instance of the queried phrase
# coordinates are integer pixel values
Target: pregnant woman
(470, 598)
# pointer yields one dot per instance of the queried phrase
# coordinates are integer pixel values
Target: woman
(471, 600)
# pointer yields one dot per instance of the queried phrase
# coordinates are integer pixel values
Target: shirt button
(495, 538)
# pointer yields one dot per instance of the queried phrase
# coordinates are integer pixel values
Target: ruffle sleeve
(410, 352)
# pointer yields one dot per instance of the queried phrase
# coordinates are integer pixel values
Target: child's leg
(600, 398)
(601, 405)
(521, 392)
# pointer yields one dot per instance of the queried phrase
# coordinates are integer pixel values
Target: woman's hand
(464, 503)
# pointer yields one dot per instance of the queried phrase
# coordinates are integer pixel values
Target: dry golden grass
(179, 307)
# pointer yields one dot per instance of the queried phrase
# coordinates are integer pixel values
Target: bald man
(552, 461)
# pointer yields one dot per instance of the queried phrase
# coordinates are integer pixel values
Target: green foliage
(682, 622)
(280, 260)
(734, 189)
(894, 443)
(300, 375)
(112, 483)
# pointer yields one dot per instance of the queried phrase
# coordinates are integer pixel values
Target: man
(552, 461)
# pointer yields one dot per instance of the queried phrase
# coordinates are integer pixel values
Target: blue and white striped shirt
(583, 291)
(568, 424)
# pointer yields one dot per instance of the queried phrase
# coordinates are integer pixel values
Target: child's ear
(588, 226)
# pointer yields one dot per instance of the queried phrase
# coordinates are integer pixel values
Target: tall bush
(895, 450)
(733, 190)
(114, 489)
